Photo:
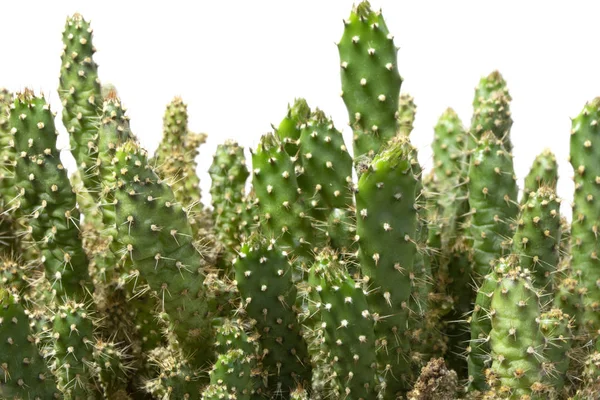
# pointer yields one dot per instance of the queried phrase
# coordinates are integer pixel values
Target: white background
(238, 64)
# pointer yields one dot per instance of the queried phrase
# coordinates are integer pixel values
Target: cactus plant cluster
(299, 281)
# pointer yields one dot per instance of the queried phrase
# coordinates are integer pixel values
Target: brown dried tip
(436, 382)
(111, 95)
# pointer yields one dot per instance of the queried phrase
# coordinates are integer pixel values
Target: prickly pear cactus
(370, 79)
(585, 245)
(387, 228)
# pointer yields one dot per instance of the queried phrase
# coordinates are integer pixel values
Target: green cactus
(556, 328)
(491, 110)
(80, 94)
(274, 180)
(326, 161)
(73, 345)
(492, 198)
(348, 327)
(407, 109)
(153, 232)
(25, 374)
(478, 352)
(46, 196)
(543, 172)
(536, 240)
(175, 157)
(264, 279)
(228, 174)
(585, 245)
(516, 341)
(387, 231)
(289, 129)
(370, 79)
(449, 144)
(231, 377)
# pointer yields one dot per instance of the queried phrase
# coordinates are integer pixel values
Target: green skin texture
(370, 79)
(585, 243)
(543, 172)
(326, 161)
(516, 341)
(536, 240)
(264, 280)
(407, 110)
(57, 235)
(73, 337)
(80, 93)
(492, 198)
(176, 154)
(348, 327)
(491, 110)
(155, 234)
(341, 229)
(25, 375)
(289, 129)
(113, 364)
(478, 353)
(387, 229)
(228, 174)
(231, 374)
(7, 154)
(558, 339)
(283, 217)
(450, 139)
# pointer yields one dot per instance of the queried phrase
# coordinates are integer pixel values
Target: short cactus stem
(585, 245)
(370, 79)
(491, 110)
(282, 217)
(81, 95)
(536, 240)
(154, 233)
(386, 223)
(543, 173)
(407, 110)
(25, 374)
(348, 327)
(264, 279)
(492, 198)
(45, 193)
(516, 341)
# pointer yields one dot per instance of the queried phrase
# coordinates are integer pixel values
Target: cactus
(407, 110)
(387, 229)
(176, 155)
(25, 374)
(556, 328)
(45, 196)
(80, 93)
(370, 79)
(289, 128)
(348, 326)
(264, 279)
(274, 180)
(536, 239)
(116, 284)
(491, 106)
(73, 342)
(492, 198)
(228, 174)
(543, 172)
(585, 246)
(153, 232)
(516, 341)
(478, 351)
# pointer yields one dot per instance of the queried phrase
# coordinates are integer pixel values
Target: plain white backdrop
(238, 64)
